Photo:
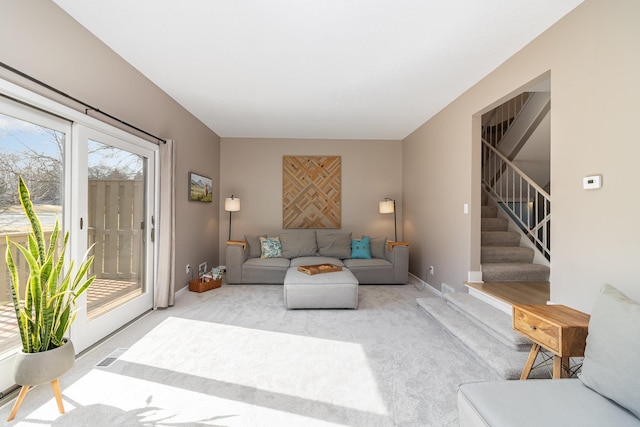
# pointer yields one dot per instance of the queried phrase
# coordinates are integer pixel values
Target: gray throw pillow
(298, 243)
(377, 246)
(255, 248)
(611, 366)
(334, 244)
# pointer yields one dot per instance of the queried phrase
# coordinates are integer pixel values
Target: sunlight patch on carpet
(102, 398)
(312, 369)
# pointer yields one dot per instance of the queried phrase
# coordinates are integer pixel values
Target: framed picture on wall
(200, 188)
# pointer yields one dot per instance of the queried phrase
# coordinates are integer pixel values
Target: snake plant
(48, 307)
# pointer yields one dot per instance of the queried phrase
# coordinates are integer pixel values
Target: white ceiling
(352, 69)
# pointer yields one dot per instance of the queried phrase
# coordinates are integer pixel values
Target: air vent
(108, 361)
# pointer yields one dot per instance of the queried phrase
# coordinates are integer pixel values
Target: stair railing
(497, 122)
(528, 204)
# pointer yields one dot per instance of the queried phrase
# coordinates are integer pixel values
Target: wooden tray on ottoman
(198, 285)
(319, 268)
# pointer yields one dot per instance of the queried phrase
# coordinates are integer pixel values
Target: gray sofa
(308, 247)
(606, 392)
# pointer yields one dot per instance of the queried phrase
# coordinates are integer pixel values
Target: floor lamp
(389, 206)
(231, 204)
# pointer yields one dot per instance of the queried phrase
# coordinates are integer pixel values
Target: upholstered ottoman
(338, 289)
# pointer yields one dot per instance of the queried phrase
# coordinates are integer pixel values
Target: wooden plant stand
(55, 385)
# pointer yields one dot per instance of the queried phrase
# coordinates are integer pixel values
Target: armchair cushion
(610, 365)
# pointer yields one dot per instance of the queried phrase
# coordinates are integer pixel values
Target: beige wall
(251, 169)
(594, 62)
(39, 39)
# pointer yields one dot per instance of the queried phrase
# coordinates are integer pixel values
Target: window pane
(115, 216)
(35, 153)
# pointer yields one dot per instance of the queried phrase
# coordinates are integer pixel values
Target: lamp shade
(231, 204)
(386, 206)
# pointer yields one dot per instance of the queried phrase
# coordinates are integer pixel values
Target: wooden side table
(391, 245)
(238, 242)
(556, 328)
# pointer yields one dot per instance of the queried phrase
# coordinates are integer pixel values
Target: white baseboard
(180, 292)
(446, 289)
(493, 302)
(416, 281)
(474, 277)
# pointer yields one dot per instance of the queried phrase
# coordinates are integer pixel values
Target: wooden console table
(557, 328)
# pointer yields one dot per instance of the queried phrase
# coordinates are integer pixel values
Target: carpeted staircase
(485, 331)
(502, 258)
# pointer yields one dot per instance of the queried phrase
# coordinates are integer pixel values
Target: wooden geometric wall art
(311, 192)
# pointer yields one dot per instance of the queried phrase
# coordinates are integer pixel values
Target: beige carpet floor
(234, 356)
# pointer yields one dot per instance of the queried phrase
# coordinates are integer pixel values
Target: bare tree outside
(106, 162)
(35, 153)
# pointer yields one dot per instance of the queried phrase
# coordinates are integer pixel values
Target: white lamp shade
(386, 206)
(231, 204)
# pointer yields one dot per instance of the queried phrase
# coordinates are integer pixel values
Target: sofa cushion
(610, 364)
(334, 244)
(253, 242)
(264, 270)
(370, 271)
(360, 248)
(565, 402)
(377, 246)
(271, 247)
(267, 263)
(298, 243)
(314, 260)
(372, 263)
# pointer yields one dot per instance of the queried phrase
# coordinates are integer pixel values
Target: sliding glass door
(114, 221)
(100, 184)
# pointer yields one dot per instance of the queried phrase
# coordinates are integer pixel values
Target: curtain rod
(88, 107)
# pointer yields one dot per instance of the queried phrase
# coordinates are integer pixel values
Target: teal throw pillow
(271, 247)
(361, 248)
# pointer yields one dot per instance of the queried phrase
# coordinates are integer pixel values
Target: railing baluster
(503, 187)
(544, 234)
(513, 187)
(529, 207)
(520, 198)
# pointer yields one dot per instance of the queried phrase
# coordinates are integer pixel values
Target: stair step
(493, 321)
(489, 211)
(510, 272)
(484, 198)
(489, 351)
(499, 238)
(502, 254)
(494, 224)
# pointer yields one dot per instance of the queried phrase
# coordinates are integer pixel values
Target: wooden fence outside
(114, 224)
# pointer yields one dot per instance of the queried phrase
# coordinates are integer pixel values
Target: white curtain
(165, 231)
